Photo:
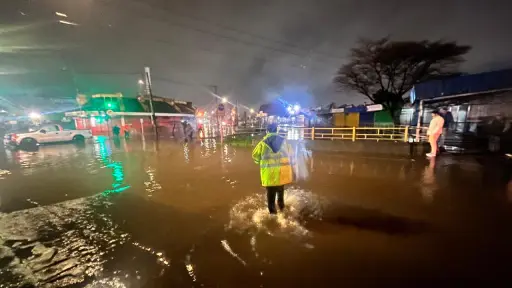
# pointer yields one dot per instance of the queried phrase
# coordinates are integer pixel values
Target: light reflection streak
(152, 185)
(61, 14)
(68, 23)
(429, 186)
(186, 152)
(226, 247)
(208, 147)
(189, 266)
(104, 152)
(161, 258)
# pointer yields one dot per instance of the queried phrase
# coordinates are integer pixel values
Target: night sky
(252, 50)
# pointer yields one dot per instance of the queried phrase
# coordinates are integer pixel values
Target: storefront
(471, 99)
(130, 114)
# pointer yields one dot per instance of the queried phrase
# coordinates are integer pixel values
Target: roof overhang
(442, 98)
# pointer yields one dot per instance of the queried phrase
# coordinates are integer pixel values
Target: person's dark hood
(274, 141)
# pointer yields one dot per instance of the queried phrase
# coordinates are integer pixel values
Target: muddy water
(138, 214)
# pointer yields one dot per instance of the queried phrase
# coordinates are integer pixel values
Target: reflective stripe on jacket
(273, 156)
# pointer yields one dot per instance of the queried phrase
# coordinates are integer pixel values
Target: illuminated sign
(337, 110)
(372, 108)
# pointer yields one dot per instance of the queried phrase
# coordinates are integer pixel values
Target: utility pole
(236, 114)
(219, 127)
(150, 92)
(214, 88)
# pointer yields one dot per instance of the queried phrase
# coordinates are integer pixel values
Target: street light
(34, 115)
(141, 85)
(224, 99)
(296, 108)
(251, 111)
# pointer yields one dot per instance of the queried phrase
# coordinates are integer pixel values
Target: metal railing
(397, 133)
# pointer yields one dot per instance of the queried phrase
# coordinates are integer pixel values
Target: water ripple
(4, 173)
(251, 214)
(57, 245)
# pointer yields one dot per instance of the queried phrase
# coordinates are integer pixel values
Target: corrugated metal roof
(471, 83)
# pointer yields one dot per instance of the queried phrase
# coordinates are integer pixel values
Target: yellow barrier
(398, 133)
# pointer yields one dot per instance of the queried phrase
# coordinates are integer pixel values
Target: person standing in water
(273, 155)
(116, 131)
(435, 129)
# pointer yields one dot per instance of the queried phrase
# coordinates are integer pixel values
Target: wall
(407, 117)
(383, 118)
(339, 119)
(352, 120)
(366, 118)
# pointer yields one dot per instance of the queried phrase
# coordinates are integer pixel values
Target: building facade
(104, 111)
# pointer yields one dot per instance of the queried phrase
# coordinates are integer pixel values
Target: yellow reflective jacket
(273, 154)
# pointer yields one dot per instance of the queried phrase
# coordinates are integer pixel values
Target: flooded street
(138, 214)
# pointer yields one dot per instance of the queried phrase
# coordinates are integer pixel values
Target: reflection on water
(429, 184)
(64, 243)
(4, 173)
(104, 154)
(227, 154)
(161, 258)
(207, 224)
(111, 282)
(226, 247)
(151, 185)
(209, 147)
(190, 266)
(58, 245)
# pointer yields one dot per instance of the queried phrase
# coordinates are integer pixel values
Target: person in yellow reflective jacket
(273, 154)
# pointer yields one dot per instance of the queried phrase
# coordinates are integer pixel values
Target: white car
(46, 134)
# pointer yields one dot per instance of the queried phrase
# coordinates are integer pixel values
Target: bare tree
(385, 70)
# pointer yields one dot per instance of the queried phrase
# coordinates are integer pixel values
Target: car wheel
(29, 143)
(79, 139)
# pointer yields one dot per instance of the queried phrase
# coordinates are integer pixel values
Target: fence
(397, 133)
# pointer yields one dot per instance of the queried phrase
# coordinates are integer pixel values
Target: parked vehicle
(32, 137)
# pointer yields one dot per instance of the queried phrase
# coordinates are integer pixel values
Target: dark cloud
(252, 50)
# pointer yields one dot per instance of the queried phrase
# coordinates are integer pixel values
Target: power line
(301, 67)
(226, 27)
(203, 31)
(267, 60)
(235, 39)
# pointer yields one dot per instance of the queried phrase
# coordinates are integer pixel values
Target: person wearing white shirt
(435, 129)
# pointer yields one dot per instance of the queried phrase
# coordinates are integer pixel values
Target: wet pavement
(138, 214)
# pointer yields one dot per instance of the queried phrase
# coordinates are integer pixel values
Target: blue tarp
(472, 83)
(366, 118)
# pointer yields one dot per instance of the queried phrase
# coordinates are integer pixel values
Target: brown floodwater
(142, 214)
